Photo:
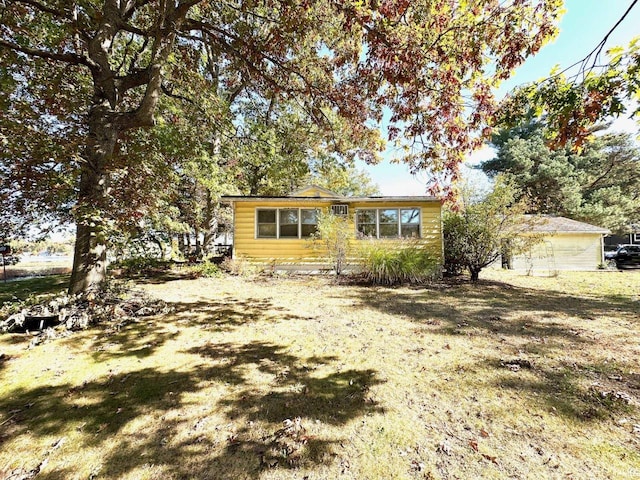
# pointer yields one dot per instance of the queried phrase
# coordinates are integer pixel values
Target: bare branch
(595, 53)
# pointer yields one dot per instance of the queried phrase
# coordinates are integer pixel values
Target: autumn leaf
(492, 459)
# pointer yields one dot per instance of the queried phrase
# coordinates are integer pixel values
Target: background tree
(478, 231)
(343, 179)
(279, 149)
(600, 184)
(571, 103)
(100, 68)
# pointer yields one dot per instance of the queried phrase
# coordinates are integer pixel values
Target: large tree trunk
(90, 253)
(108, 117)
(475, 274)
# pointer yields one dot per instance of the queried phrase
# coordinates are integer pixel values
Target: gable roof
(313, 191)
(553, 224)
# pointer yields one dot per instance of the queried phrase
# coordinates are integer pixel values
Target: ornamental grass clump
(393, 263)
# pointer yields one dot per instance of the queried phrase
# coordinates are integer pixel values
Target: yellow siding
(563, 251)
(283, 251)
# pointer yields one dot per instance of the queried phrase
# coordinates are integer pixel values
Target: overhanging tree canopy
(101, 67)
(600, 184)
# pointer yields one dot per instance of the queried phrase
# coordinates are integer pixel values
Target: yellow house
(278, 231)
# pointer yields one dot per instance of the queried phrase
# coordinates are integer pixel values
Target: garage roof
(553, 224)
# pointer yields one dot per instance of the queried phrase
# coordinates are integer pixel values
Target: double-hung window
(388, 222)
(286, 222)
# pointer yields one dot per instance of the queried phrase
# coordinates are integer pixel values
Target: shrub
(238, 266)
(139, 265)
(334, 235)
(478, 232)
(396, 263)
(205, 269)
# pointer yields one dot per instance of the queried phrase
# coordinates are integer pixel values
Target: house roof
(553, 224)
(313, 193)
(340, 199)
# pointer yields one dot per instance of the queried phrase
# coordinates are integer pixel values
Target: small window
(267, 224)
(308, 222)
(366, 223)
(289, 223)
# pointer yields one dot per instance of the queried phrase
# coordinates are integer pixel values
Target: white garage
(564, 244)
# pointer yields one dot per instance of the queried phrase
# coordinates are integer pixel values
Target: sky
(583, 26)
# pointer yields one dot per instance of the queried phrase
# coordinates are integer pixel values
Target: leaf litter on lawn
(301, 377)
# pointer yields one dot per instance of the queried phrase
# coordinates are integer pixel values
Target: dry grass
(35, 266)
(294, 378)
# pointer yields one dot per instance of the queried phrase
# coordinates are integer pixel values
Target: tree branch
(220, 36)
(59, 57)
(133, 79)
(169, 93)
(39, 6)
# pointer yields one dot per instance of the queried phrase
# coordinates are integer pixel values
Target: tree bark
(475, 274)
(90, 252)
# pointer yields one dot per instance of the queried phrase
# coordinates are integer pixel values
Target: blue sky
(582, 27)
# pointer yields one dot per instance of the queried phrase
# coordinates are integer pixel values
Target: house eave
(232, 198)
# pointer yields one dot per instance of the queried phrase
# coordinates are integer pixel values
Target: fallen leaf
(474, 444)
(484, 433)
(490, 458)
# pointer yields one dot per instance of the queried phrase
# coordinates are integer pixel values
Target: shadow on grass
(142, 410)
(161, 276)
(536, 322)
(489, 308)
(227, 313)
(141, 337)
(579, 392)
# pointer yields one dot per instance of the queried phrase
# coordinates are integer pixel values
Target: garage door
(562, 252)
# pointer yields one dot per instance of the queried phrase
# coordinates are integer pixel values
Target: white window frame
(636, 238)
(277, 210)
(256, 231)
(399, 211)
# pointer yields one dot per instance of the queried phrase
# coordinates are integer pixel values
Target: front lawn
(300, 378)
